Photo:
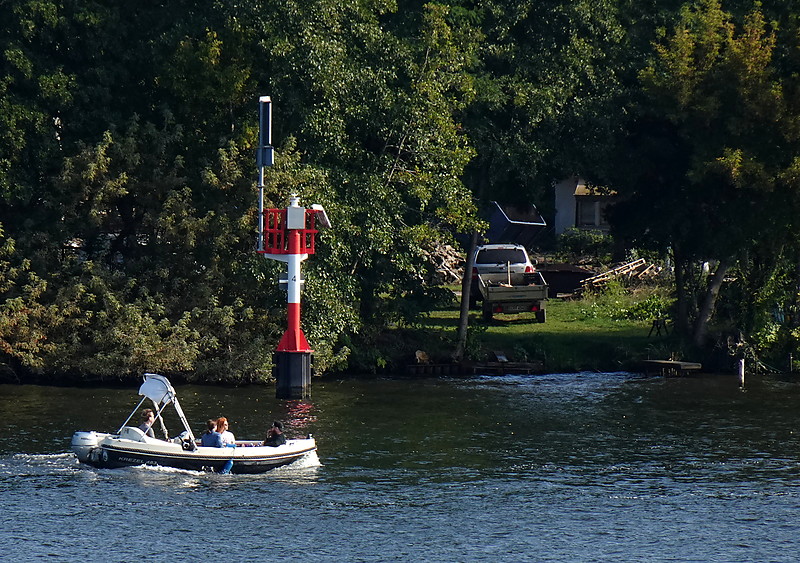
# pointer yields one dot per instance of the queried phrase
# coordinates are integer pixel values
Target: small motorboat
(130, 446)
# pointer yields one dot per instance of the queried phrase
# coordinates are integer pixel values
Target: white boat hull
(131, 449)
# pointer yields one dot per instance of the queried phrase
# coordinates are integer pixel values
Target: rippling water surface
(578, 467)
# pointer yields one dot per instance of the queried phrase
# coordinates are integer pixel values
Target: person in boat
(275, 436)
(211, 426)
(211, 438)
(222, 429)
(148, 418)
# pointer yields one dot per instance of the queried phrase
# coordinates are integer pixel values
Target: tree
(375, 94)
(22, 317)
(709, 157)
(129, 179)
(128, 150)
(544, 87)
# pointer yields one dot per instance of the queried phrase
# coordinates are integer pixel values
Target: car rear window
(500, 256)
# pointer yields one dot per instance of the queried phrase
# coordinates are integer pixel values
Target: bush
(652, 307)
(618, 303)
(578, 242)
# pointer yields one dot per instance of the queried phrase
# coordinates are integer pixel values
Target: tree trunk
(796, 309)
(709, 302)
(466, 286)
(478, 180)
(681, 296)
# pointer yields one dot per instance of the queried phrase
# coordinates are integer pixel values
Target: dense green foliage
(127, 173)
(575, 243)
(710, 166)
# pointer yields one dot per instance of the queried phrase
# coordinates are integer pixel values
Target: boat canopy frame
(159, 390)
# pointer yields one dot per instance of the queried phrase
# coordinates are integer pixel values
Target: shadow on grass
(586, 351)
(568, 341)
(499, 322)
(439, 322)
(449, 319)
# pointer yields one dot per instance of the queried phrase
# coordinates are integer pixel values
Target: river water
(572, 467)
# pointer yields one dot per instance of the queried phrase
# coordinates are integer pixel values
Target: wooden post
(741, 373)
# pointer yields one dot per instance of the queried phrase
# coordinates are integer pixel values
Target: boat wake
(165, 469)
(45, 458)
(21, 465)
(310, 460)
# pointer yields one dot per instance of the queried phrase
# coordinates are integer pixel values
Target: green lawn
(578, 335)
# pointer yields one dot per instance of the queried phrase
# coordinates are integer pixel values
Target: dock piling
(741, 373)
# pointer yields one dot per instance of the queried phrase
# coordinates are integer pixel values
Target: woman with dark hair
(275, 435)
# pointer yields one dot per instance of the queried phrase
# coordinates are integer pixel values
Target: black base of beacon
(293, 375)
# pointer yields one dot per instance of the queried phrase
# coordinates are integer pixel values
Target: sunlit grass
(579, 335)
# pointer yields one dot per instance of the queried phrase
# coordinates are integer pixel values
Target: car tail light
(534, 308)
(528, 269)
(497, 309)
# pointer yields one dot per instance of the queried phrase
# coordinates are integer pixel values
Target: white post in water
(741, 373)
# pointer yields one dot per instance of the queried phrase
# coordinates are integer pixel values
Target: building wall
(565, 204)
(579, 205)
(591, 212)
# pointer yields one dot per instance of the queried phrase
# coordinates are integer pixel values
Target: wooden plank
(671, 367)
(674, 363)
(614, 272)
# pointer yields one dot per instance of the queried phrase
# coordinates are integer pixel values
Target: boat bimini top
(159, 390)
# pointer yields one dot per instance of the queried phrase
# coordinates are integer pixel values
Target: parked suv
(498, 259)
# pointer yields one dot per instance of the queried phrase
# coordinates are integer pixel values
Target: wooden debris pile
(635, 270)
(448, 261)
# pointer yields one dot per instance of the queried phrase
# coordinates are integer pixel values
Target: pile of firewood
(630, 271)
(448, 261)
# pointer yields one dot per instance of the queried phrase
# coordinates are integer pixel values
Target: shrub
(578, 242)
(652, 307)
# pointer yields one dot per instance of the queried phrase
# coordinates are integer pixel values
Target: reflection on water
(611, 467)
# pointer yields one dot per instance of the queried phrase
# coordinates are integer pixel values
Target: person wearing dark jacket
(211, 438)
(275, 435)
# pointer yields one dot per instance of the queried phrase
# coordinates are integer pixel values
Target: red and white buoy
(293, 339)
(287, 235)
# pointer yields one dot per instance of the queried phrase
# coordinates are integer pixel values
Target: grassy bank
(604, 333)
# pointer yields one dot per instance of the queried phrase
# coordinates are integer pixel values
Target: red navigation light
(276, 239)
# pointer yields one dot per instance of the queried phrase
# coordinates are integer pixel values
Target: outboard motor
(83, 443)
